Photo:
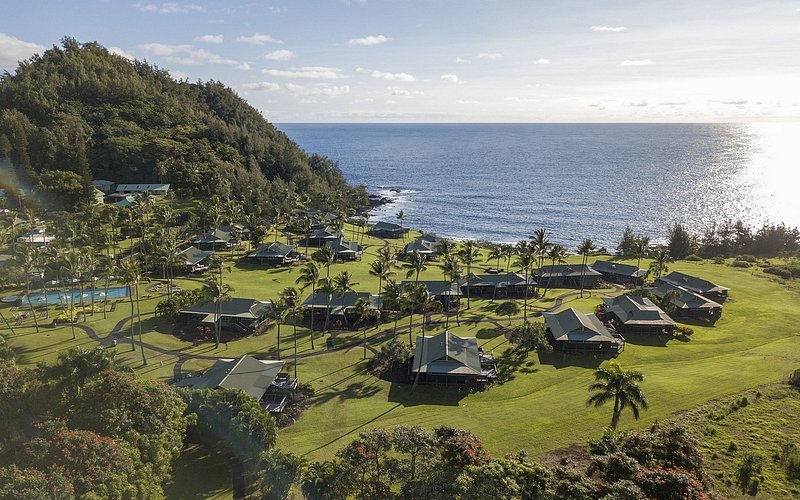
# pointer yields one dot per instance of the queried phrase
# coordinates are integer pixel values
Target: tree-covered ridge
(81, 109)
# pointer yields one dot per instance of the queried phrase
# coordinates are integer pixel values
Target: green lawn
(539, 407)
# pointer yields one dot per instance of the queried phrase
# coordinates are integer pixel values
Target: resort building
(451, 360)
(37, 237)
(318, 217)
(637, 314)
(103, 185)
(194, 260)
(261, 379)
(424, 245)
(342, 307)
(707, 289)
(154, 189)
(237, 316)
(218, 238)
(572, 331)
(322, 235)
(567, 276)
(98, 196)
(448, 293)
(344, 250)
(388, 230)
(498, 286)
(687, 304)
(623, 274)
(274, 254)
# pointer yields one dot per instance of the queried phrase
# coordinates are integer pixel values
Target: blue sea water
(500, 182)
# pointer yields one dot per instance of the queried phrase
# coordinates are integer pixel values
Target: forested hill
(78, 108)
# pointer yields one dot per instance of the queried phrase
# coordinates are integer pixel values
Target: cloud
(542, 61)
(322, 89)
(185, 54)
(401, 92)
(449, 77)
(492, 56)
(596, 105)
(310, 72)
(670, 103)
(243, 67)
(384, 75)
(636, 62)
(13, 50)
(461, 60)
(179, 75)
(467, 101)
(739, 102)
(210, 38)
(520, 99)
(639, 104)
(262, 86)
(169, 8)
(257, 39)
(369, 40)
(279, 55)
(118, 51)
(608, 29)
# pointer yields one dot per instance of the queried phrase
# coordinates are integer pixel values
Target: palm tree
(555, 254)
(451, 268)
(309, 276)
(416, 264)
(445, 247)
(218, 293)
(277, 313)
(326, 257)
(291, 300)
(496, 253)
(401, 216)
(525, 260)
(540, 244)
(640, 248)
(469, 254)
(106, 267)
(382, 270)
(389, 255)
(26, 259)
(659, 264)
(131, 275)
(586, 247)
(325, 285)
(364, 311)
(343, 283)
(508, 252)
(415, 297)
(621, 386)
(393, 299)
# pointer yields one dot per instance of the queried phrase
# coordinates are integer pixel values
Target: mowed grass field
(539, 406)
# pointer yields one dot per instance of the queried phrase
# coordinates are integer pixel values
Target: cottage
(37, 237)
(103, 185)
(716, 293)
(497, 286)
(424, 245)
(448, 293)
(194, 260)
(341, 307)
(98, 196)
(687, 304)
(572, 331)
(237, 316)
(616, 272)
(567, 276)
(218, 238)
(322, 235)
(274, 254)
(124, 201)
(261, 379)
(345, 250)
(636, 314)
(319, 218)
(388, 230)
(154, 189)
(451, 360)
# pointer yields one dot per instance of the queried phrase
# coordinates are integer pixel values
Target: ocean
(500, 182)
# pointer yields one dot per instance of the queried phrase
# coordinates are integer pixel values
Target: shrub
(740, 263)
(693, 258)
(661, 482)
(685, 331)
(718, 260)
(789, 457)
(794, 378)
(785, 272)
(624, 490)
(616, 466)
(748, 470)
(747, 258)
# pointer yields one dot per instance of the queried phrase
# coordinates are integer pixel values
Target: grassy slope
(540, 408)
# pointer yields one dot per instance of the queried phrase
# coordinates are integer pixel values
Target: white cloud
(279, 55)
(400, 77)
(467, 101)
(608, 29)
(738, 102)
(257, 39)
(492, 56)
(210, 38)
(169, 8)
(243, 67)
(310, 72)
(520, 99)
(636, 62)
(13, 50)
(262, 86)
(670, 103)
(400, 92)
(118, 51)
(542, 61)
(361, 101)
(322, 89)
(450, 78)
(639, 104)
(185, 54)
(179, 75)
(369, 40)
(461, 60)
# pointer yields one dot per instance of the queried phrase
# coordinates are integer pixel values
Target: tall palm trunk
(525, 304)
(105, 303)
(8, 325)
(422, 357)
(279, 338)
(615, 415)
(583, 272)
(28, 296)
(217, 322)
(139, 320)
(294, 323)
(133, 329)
(410, 321)
(311, 333)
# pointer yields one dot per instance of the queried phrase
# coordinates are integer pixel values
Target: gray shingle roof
(275, 250)
(570, 325)
(193, 255)
(248, 374)
(216, 235)
(634, 310)
(610, 267)
(503, 279)
(343, 246)
(447, 353)
(437, 288)
(143, 188)
(685, 299)
(567, 270)
(387, 226)
(339, 303)
(235, 307)
(691, 283)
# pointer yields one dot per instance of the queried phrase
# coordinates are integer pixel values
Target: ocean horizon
(501, 181)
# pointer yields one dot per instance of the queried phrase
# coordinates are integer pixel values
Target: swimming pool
(114, 292)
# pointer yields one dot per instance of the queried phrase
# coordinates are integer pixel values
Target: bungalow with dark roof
(322, 235)
(616, 272)
(497, 286)
(341, 307)
(261, 379)
(237, 316)
(449, 294)
(707, 289)
(451, 360)
(636, 314)
(218, 238)
(345, 250)
(194, 260)
(274, 254)
(567, 276)
(154, 189)
(103, 185)
(388, 230)
(687, 304)
(424, 245)
(572, 331)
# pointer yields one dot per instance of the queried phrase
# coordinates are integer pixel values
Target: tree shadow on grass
(511, 362)
(489, 333)
(563, 359)
(427, 395)
(650, 340)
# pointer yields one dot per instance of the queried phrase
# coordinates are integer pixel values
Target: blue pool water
(116, 292)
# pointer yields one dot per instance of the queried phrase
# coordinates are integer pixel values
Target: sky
(453, 60)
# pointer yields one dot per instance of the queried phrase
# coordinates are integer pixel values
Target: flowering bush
(669, 483)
